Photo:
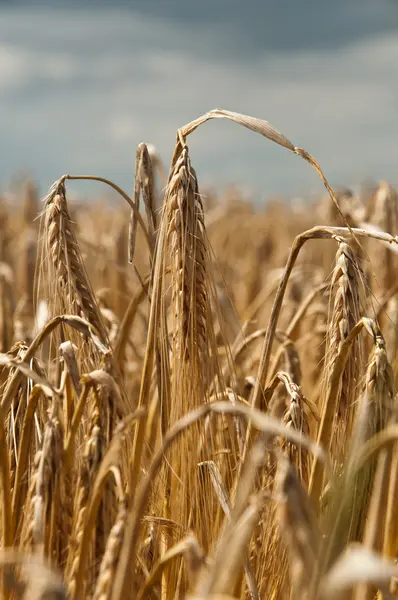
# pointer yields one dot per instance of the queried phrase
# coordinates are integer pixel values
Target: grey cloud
(125, 78)
(252, 26)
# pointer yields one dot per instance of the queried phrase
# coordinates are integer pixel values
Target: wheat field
(198, 395)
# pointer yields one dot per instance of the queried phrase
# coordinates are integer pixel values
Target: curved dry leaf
(87, 329)
(102, 378)
(47, 387)
(270, 425)
(357, 565)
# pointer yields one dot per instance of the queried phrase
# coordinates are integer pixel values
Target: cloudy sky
(82, 82)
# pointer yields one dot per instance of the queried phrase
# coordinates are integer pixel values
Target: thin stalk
(23, 451)
(122, 194)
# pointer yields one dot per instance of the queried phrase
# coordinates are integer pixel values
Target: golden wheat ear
(187, 252)
(384, 214)
(143, 185)
(345, 313)
(61, 268)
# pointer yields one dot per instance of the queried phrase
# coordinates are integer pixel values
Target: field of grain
(197, 395)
